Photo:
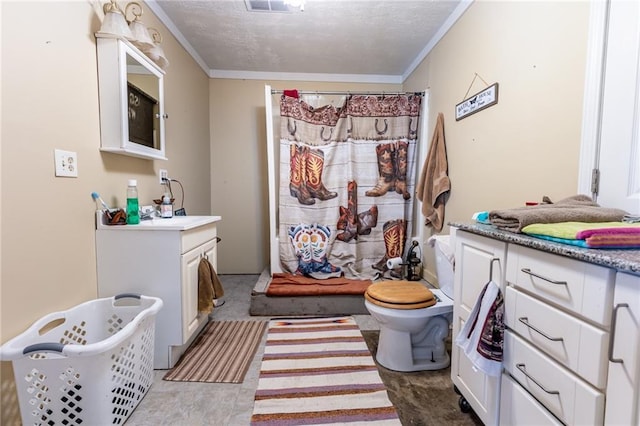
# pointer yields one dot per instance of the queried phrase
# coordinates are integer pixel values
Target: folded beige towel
(209, 286)
(578, 208)
(434, 183)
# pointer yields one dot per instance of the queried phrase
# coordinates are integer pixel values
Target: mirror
(131, 89)
(143, 108)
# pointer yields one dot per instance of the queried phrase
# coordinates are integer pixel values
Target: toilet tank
(444, 254)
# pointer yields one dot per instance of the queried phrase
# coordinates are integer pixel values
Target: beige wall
(239, 190)
(527, 145)
(50, 100)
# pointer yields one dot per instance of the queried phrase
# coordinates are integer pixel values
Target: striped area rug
(221, 353)
(318, 371)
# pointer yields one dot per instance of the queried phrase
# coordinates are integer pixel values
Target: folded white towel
(482, 336)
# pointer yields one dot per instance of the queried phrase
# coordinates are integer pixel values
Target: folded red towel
(614, 241)
(292, 93)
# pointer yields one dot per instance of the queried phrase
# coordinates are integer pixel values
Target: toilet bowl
(414, 323)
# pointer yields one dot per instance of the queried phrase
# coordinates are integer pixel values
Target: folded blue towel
(481, 217)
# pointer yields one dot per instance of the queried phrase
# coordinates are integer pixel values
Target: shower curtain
(347, 184)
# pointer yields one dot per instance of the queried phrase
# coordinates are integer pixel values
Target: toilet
(414, 323)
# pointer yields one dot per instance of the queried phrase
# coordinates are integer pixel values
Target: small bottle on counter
(166, 208)
(133, 213)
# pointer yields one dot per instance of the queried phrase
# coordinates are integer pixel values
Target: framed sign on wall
(478, 102)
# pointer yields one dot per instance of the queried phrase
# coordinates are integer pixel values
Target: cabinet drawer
(567, 397)
(580, 287)
(518, 407)
(192, 238)
(573, 343)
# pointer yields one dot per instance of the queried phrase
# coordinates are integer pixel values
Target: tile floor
(214, 404)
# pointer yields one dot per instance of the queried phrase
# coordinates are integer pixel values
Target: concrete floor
(215, 404)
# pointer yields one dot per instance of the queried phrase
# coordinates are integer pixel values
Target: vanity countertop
(176, 223)
(621, 260)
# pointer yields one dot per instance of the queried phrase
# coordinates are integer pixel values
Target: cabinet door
(477, 258)
(191, 318)
(623, 386)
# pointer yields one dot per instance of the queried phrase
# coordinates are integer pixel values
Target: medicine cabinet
(131, 100)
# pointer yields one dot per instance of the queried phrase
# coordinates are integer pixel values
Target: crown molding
(342, 78)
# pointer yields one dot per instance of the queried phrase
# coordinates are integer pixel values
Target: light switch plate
(66, 163)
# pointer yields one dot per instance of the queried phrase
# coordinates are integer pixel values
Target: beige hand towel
(209, 286)
(434, 184)
(205, 287)
(218, 292)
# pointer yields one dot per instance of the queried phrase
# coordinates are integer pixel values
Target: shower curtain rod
(319, 92)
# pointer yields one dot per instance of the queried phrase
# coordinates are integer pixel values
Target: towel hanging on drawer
(209, 286)
(482, 336)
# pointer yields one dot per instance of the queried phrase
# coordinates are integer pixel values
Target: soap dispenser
(166, 208)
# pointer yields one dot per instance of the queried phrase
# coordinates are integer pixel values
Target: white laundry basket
(89, 365)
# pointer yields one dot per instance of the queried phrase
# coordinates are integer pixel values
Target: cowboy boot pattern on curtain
(319, 246)
(401, 169)
(348, 221)
(367, 220)
(305, 175)
(354, 223)
(394, 233)
(313, 174)
(386, 181)
(310, 244)
(392, 168)
(300, 238)
(297, 176)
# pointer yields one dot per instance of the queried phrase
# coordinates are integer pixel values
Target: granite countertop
(622, 260)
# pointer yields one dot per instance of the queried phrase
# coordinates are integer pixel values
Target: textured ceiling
(374, 37)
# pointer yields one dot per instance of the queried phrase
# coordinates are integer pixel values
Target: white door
(618, 157)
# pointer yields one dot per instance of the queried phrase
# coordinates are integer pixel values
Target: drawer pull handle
(528, 271)
(495, 259)
(521, 368)
(525, 321)
(613, 331)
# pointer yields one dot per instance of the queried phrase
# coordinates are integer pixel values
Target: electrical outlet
(66, 163)
(162, 175)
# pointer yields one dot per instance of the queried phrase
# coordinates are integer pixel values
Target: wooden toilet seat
(400, 295)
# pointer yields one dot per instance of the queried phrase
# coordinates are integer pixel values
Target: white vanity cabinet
(478, 259)
(623, 386)
(572, 332)
(160, 258)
